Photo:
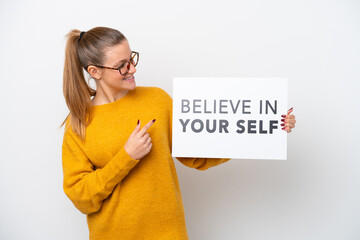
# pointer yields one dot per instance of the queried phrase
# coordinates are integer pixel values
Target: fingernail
(138, 122)
(283, 124)
(154, 120)
(283, 128)
(283, 115)
(290, 109)
(283, 120)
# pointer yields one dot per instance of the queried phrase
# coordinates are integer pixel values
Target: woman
(127, 186)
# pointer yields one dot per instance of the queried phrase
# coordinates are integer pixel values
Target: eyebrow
(120, 62)
(124, 60)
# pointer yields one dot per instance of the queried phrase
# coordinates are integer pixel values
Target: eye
(122, 65)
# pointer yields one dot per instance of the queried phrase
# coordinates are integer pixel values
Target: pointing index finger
(146, 127)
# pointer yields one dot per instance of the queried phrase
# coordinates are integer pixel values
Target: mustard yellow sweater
(125, 198)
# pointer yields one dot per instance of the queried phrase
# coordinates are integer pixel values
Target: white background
(313, 195)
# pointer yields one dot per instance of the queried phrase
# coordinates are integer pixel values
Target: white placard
(229, 118)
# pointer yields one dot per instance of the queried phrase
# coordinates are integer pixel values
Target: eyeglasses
(124, 68)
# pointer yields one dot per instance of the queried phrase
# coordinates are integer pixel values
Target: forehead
(118, 52)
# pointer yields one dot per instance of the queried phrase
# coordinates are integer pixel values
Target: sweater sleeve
(202, 163)
(196, 163)
(86, 187)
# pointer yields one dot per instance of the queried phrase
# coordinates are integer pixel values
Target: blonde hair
(79, 54)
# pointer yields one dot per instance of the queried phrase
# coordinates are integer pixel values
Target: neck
(107, 96)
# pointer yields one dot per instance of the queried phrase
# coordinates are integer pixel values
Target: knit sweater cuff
(124, 163)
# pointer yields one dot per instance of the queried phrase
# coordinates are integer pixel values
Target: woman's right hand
(139, 143)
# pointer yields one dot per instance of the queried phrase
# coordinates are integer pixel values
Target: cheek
(114, 76)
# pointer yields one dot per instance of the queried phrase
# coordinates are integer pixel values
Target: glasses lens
(135, 59)
(125, 68)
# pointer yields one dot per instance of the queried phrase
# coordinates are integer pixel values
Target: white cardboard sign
(229, 118)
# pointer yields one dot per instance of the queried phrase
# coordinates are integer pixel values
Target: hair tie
(81, 34)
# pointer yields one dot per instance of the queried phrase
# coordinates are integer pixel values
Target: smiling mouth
(129, 78)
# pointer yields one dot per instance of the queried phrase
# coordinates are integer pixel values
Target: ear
(94, 72)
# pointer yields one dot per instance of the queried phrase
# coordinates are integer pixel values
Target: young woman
(119, 174)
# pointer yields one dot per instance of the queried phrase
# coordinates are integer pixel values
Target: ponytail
(78, 56)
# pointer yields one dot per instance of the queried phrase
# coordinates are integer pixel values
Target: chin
(133, 86)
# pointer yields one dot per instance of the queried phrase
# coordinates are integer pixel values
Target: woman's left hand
(288, 121)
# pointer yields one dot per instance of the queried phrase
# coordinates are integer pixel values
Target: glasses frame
(131, 61)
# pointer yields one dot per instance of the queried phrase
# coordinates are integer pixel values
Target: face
(117, 56)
